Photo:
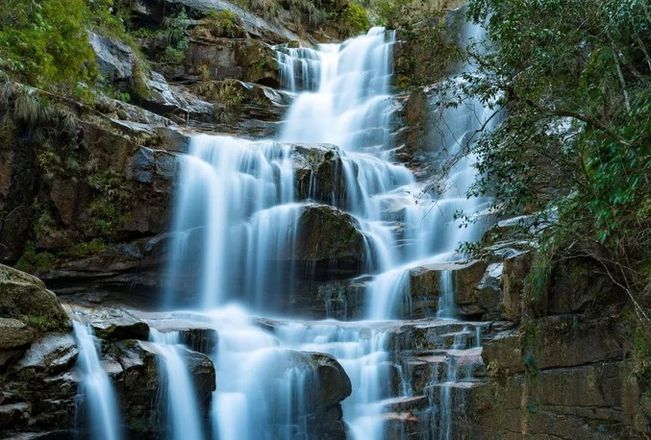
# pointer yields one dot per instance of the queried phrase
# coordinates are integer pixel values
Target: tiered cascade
(242, 220)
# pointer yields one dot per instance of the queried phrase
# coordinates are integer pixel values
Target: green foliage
(223, 24)
(37, 321)
(85, 249)
(574, 77)
(34, 261)
(109, 209)
(429, 39)
(172, 36)
(355, 18)
(45, 42)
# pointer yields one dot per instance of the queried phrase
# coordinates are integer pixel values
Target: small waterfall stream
(97, 396)
(178, 396)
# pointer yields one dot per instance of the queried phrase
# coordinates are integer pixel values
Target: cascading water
(236, 227)
(97, 398)
(178, 396)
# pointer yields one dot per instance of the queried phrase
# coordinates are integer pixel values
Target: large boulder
(25, 298)
(114, 58)
(138, 384)
(318, 170)
(39, 388)
(330, 242)
(222, 58)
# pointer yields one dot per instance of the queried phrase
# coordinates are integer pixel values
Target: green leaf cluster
(574, 79)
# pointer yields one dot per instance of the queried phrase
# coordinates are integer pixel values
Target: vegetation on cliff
(574, 78)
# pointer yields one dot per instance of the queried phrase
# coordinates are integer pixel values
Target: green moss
(37, 321)
(355, 18)
(85, 249)
(109, 210)
(222, 24)
(34, 261)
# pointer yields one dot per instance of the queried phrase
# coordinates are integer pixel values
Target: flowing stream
(97, 397)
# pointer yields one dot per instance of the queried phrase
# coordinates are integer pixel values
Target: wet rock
(330, 242)
(222, 58)
(137, 387)
(502, 353)
(117, 324)
(24, 297)
(244, 108)
(174, 100)
(425, 287)
(53, 353)
(202, 372)
(14, 414)
(514, 273)
(334, 384)
(318, 170)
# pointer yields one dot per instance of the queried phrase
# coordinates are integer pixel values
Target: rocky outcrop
(564, 369)
(138, 384)
(25, 299)
(37, 355)
(330, 242)
(319, 174)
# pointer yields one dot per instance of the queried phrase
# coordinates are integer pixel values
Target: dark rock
(245, 59)
(117, 324)
(581, 283)
(54, 353)
(514, 273)
(318, 170)
(330, 242)
(114, 58)
(424, 282)
(174, 100)
(502, 353)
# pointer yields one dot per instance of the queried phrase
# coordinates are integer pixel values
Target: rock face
(114, 59)
(36, 357)
(564, 370)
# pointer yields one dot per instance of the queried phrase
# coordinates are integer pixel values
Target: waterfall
(178, 394)
(235, 233)
(97, 395)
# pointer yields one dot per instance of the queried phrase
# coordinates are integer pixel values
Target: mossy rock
(25, 297)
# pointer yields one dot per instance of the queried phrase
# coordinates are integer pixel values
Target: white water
(178, 394)
(237, 221)
(98, 396)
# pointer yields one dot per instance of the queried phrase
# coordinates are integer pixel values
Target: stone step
(435, 334)
(405, 403)
(423, 368)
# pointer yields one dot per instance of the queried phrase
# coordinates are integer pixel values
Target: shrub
(45, 42)
(355, 18)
